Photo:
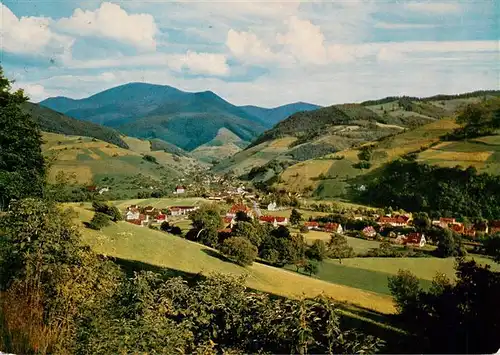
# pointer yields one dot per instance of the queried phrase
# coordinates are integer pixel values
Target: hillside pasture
(145, 246)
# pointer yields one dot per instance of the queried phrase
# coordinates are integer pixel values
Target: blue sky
(262, 53)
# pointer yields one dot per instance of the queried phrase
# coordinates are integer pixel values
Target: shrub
(239, 250)
(404, 288)
(100, 220)
(150, 158)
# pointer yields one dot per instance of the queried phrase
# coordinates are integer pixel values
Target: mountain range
(187, 120)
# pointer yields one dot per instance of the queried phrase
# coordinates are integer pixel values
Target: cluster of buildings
(143, 216)
(491, 227)
(324, 227)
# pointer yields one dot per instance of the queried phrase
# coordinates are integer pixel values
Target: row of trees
(448, 191)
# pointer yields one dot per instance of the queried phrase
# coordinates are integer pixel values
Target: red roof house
(494, 227)
(369, 232)
(311, 225)
(274, 220)
(333, 227)
(397, 221)
(415, 239)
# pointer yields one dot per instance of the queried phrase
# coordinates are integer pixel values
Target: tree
(208, 237)
(404, 288)
(207, 217)
(240, 250)
(150, 158)
(317, 251)
(339, 248)
(421, 221)
(22, 165)
(112, 211)
(311, 267)
(242, 216)
(99, 221)
(365, 153)
(295, 217)
(491, 245)
(249, 231)
(448, 244)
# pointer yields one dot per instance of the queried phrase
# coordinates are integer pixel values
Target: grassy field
(136, 244)
(90, 159)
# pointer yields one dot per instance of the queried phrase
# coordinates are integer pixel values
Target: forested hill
(55, 122)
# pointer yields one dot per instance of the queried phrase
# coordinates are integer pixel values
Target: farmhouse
(494, 227)
(457, 227)
(397, 221)
(311, 225)
(415, 239)
(229, 222)
(181, 210)
(179, 189)
(272, 206)
(132, 214)
(333, 228)
(275, 221)
(369, 232)
(238, 208)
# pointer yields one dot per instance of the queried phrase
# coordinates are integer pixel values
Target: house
(132, 207)
(149, 210)
(229, 221)
(179, 189)
(398, 221)
(444, 222)
(494, 227)
(272, 206)
(161, 218)
(369, 232)
(238, 208)
(333, 228)
(274, 220)
(457, 228)
(415, 239)
(470, 232)
(103, 190)
(182, 210)
(132, 214)
(311, 225)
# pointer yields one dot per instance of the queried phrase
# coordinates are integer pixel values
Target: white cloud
(201, 63)
(31, 36)
(434, 7)
(304, 41)
(193, 62)
(113, 22)
(403, 26)
(248, 48)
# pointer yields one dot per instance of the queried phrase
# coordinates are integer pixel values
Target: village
(397, 228)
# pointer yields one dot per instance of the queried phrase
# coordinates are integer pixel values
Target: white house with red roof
(274, 220)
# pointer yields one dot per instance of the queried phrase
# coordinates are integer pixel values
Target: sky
(262, 53)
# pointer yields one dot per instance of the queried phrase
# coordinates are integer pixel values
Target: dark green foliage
(206, 217)
(460, 318)
(158, 144)
(491, 245)
(421, 221)
(420, 187)
(365, 153)
(112, 211)
(362, 165)
(55, 122)
(466, 95)
(480, 119)
(280, 247)
(166, 227)
(387, 250)
(242, 216)
(317, 251)
(311, 151)
(150, 159)
(449, 244)
(48, 278)
(99, 221)
(208, 237)
(311, 267)
(295, 217)
(249, 231)
(22, 166)
(216, 316)
(240, 250)
(405, 288)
